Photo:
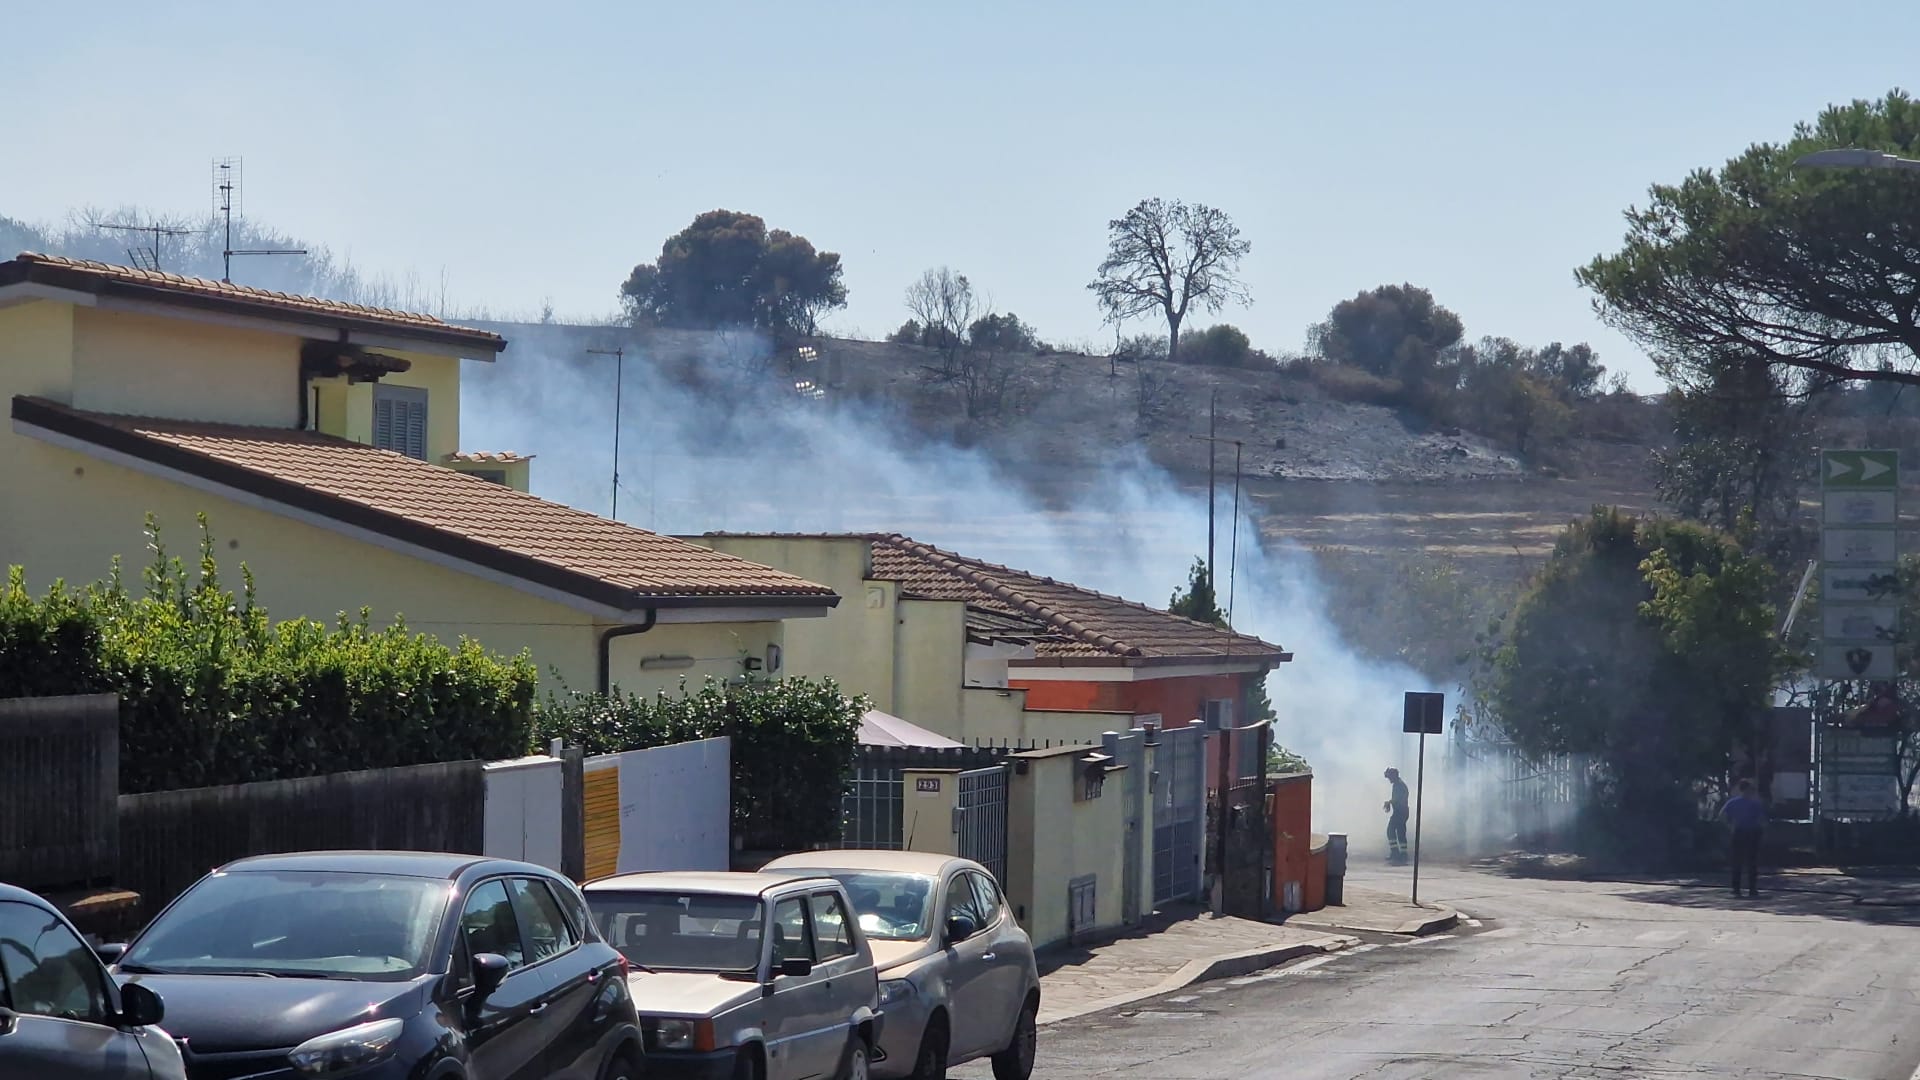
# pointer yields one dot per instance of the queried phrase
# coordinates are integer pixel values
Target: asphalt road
(1558, 980)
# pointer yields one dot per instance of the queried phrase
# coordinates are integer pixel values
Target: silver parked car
(62, 1015)
(744, 976)
(957, 976)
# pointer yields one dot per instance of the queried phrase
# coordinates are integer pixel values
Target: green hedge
(793, 743)
(213, 692)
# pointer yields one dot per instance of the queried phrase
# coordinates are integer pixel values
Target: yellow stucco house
(987, 654)
(322, 439)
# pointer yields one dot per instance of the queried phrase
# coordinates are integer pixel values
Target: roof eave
(1270, 659)
(14, 272)
(51, 417)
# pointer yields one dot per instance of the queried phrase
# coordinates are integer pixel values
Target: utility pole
(1233, 556)
(1213, 401)
(1238, 450)
(619, 371)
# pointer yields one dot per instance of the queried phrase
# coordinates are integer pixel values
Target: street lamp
(1854, 159)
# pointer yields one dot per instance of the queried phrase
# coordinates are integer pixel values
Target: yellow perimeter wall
(1054, 837)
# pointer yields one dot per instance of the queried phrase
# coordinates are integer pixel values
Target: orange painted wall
(1293, 838)
(1177, 701)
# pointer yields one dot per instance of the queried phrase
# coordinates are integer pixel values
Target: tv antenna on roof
(142, 257)
(226, 200)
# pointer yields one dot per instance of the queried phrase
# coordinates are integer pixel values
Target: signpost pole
(1423, 716)
(1419, 799)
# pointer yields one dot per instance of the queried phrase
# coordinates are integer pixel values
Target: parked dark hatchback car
(384, 965)
(60, 1013)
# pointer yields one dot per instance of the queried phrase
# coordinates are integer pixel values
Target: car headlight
(690, 1035)
(895, 990)
(347, 1049)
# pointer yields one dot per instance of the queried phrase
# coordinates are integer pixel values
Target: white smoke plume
(719, 457)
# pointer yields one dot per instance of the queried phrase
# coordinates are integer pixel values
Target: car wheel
(1016, 1061)
(931, 1062)
(857, 1068)
(746, 1066)
(622, 1066)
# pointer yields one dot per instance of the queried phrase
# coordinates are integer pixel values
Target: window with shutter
(400, 420)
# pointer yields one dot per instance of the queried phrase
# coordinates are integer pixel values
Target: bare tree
(944, 305)
(1170, 257)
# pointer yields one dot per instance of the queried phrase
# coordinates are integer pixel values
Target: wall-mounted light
(773, 659)
(666, 663)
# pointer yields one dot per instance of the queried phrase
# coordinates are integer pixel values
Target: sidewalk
(1372, 911)
(1171, 949)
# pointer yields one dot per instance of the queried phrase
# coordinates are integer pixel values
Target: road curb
(1445, 920)
(1206, 969)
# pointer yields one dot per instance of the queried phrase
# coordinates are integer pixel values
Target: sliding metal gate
(980, 819)
(1179, 813)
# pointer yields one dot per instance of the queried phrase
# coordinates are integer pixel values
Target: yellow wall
(346, 409)
(717, 650)
(928, 657)
(854, 645)
(1054, 837)
(145, 365)
(36, 357)
(67, 515)
(990, 718)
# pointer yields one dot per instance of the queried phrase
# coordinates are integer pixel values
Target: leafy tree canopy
(1808, 269)
(1648, 645)
(727, 270)
(1393, 331)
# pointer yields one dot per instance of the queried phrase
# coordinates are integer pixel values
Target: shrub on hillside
(1344, 383)
(213, 692)
(793, 743)
(1223, 345)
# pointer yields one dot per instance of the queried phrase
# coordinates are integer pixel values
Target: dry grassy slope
(1316, 471)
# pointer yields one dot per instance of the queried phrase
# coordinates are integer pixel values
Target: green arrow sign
(1860, 469)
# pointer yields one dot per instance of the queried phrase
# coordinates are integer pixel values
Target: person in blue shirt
(1748, 816)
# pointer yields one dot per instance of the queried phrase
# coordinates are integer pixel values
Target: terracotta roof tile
(1086, 626)
(490, 457)
(98, 276)
(436, 507)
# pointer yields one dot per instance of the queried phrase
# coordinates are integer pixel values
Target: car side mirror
(796, 967)
(140, 1006)
(110, 953)
(489, 971)
(960, 928)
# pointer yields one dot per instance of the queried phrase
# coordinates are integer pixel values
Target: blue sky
(539, 151)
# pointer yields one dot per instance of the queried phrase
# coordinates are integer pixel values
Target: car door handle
(593, 975)
(986, 956)
(538, 1009)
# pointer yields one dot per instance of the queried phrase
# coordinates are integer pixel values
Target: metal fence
(980, 820)
(59, 779)
(871, 808)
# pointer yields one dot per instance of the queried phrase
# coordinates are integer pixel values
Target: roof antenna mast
(142, 257)
(226, 200)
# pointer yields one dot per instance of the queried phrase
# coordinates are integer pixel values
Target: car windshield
(890, 906)
(681, 931)
(296, 924)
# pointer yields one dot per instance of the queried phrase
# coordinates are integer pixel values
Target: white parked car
(744, 976)
(957, 975)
